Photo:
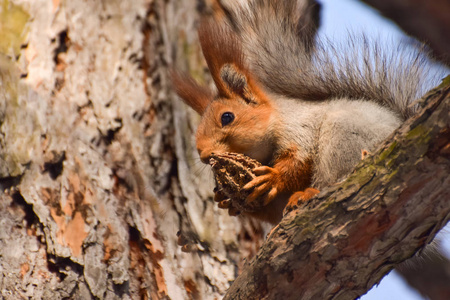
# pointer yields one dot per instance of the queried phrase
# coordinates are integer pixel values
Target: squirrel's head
(239, 119)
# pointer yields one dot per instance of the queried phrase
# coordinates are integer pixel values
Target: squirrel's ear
(226, 62)
(220, 46)
(237, 83)
(196, 96)
(242, 84)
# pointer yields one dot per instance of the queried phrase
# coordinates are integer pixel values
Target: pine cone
(232, 171)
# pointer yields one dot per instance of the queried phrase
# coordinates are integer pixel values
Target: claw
(271, 195)
(219, 196)
(186, 248)
(299, 197)
(258, 181)
(260, 191)
(263, 170)
(225, 204)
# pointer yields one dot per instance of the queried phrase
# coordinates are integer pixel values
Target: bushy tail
(282, 51)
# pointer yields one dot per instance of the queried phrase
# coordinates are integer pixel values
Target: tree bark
(341, 243)
(98, 168)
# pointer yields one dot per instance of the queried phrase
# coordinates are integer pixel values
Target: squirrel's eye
(227, 118)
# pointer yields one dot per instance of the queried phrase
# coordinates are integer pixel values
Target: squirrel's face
(233, 125)
(239, 119)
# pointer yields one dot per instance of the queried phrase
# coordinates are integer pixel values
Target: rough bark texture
(98, 170)
(345, 240)
(426, 20)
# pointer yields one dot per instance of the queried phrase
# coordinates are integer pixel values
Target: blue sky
(339, 18)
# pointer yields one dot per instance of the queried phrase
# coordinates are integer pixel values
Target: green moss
(360, 177)
(388, 152)
(9, 78)
(445, 82)
(13, 20)
(420, 132)
(18, 123)
(390, 175)
(301, 221)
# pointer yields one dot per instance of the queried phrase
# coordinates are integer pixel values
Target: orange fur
(288, 175)
(273, 212)
(251, 132)
(246, 100)
(255, 47)
(299, 172)
(246, 135)
(302, 196)
(219, 47)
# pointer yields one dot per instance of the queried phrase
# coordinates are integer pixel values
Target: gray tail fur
(281, 49)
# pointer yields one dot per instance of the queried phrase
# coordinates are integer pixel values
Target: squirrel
(305, 109)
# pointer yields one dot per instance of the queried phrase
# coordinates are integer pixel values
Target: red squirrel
(304, 111)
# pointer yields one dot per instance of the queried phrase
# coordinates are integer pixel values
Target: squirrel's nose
(204, 159)
(204, 156)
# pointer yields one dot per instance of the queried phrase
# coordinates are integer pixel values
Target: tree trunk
(98, 167)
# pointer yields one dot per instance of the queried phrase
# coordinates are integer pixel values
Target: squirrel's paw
(299, 197)
(265, 186)
(224, 202)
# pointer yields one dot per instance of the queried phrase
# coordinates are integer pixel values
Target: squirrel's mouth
(205, 156)
(205, 160)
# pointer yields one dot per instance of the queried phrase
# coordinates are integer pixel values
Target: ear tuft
(220, 46)
(196, 96)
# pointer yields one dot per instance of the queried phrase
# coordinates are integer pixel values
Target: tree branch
(427, 20)
(429, 275)
(341, 243)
